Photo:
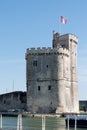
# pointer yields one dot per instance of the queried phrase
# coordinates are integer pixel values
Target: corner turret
(56, 43)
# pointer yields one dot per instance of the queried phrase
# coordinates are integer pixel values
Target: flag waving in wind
(63, 20)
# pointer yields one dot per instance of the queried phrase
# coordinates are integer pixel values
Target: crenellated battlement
(49, 50)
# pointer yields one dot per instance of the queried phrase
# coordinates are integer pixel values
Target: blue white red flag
(63, 20)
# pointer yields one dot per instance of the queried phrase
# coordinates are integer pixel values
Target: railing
(35, 123)
(42, 123)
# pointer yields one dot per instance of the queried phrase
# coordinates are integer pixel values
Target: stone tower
(51, 76)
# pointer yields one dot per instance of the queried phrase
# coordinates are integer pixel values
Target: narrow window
(70, 40)
(38, 88)
(49, 87)
(34, 63)
(47, 66)
(63, 46)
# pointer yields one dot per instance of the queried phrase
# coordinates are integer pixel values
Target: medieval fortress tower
(51, 76)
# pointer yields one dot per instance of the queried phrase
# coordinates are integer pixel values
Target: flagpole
(59, 25)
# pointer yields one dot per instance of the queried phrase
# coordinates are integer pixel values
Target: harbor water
(35, 123)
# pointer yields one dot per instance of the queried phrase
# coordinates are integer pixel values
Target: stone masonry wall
(51, 76)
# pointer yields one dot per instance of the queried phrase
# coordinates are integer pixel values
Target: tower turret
(56, 43)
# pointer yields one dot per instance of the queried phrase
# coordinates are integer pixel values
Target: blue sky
(29, 23)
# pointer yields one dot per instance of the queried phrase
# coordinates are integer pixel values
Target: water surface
(35, 123)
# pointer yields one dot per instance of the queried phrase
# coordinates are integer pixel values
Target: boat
(79, 121)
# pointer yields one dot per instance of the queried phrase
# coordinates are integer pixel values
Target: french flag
(63, 20)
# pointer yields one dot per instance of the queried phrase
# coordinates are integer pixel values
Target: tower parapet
(63, 40)
(73, 38)
(49, 50)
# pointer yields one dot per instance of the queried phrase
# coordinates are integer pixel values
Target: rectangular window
(34, 63)
(38, 88)
(49, 87)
